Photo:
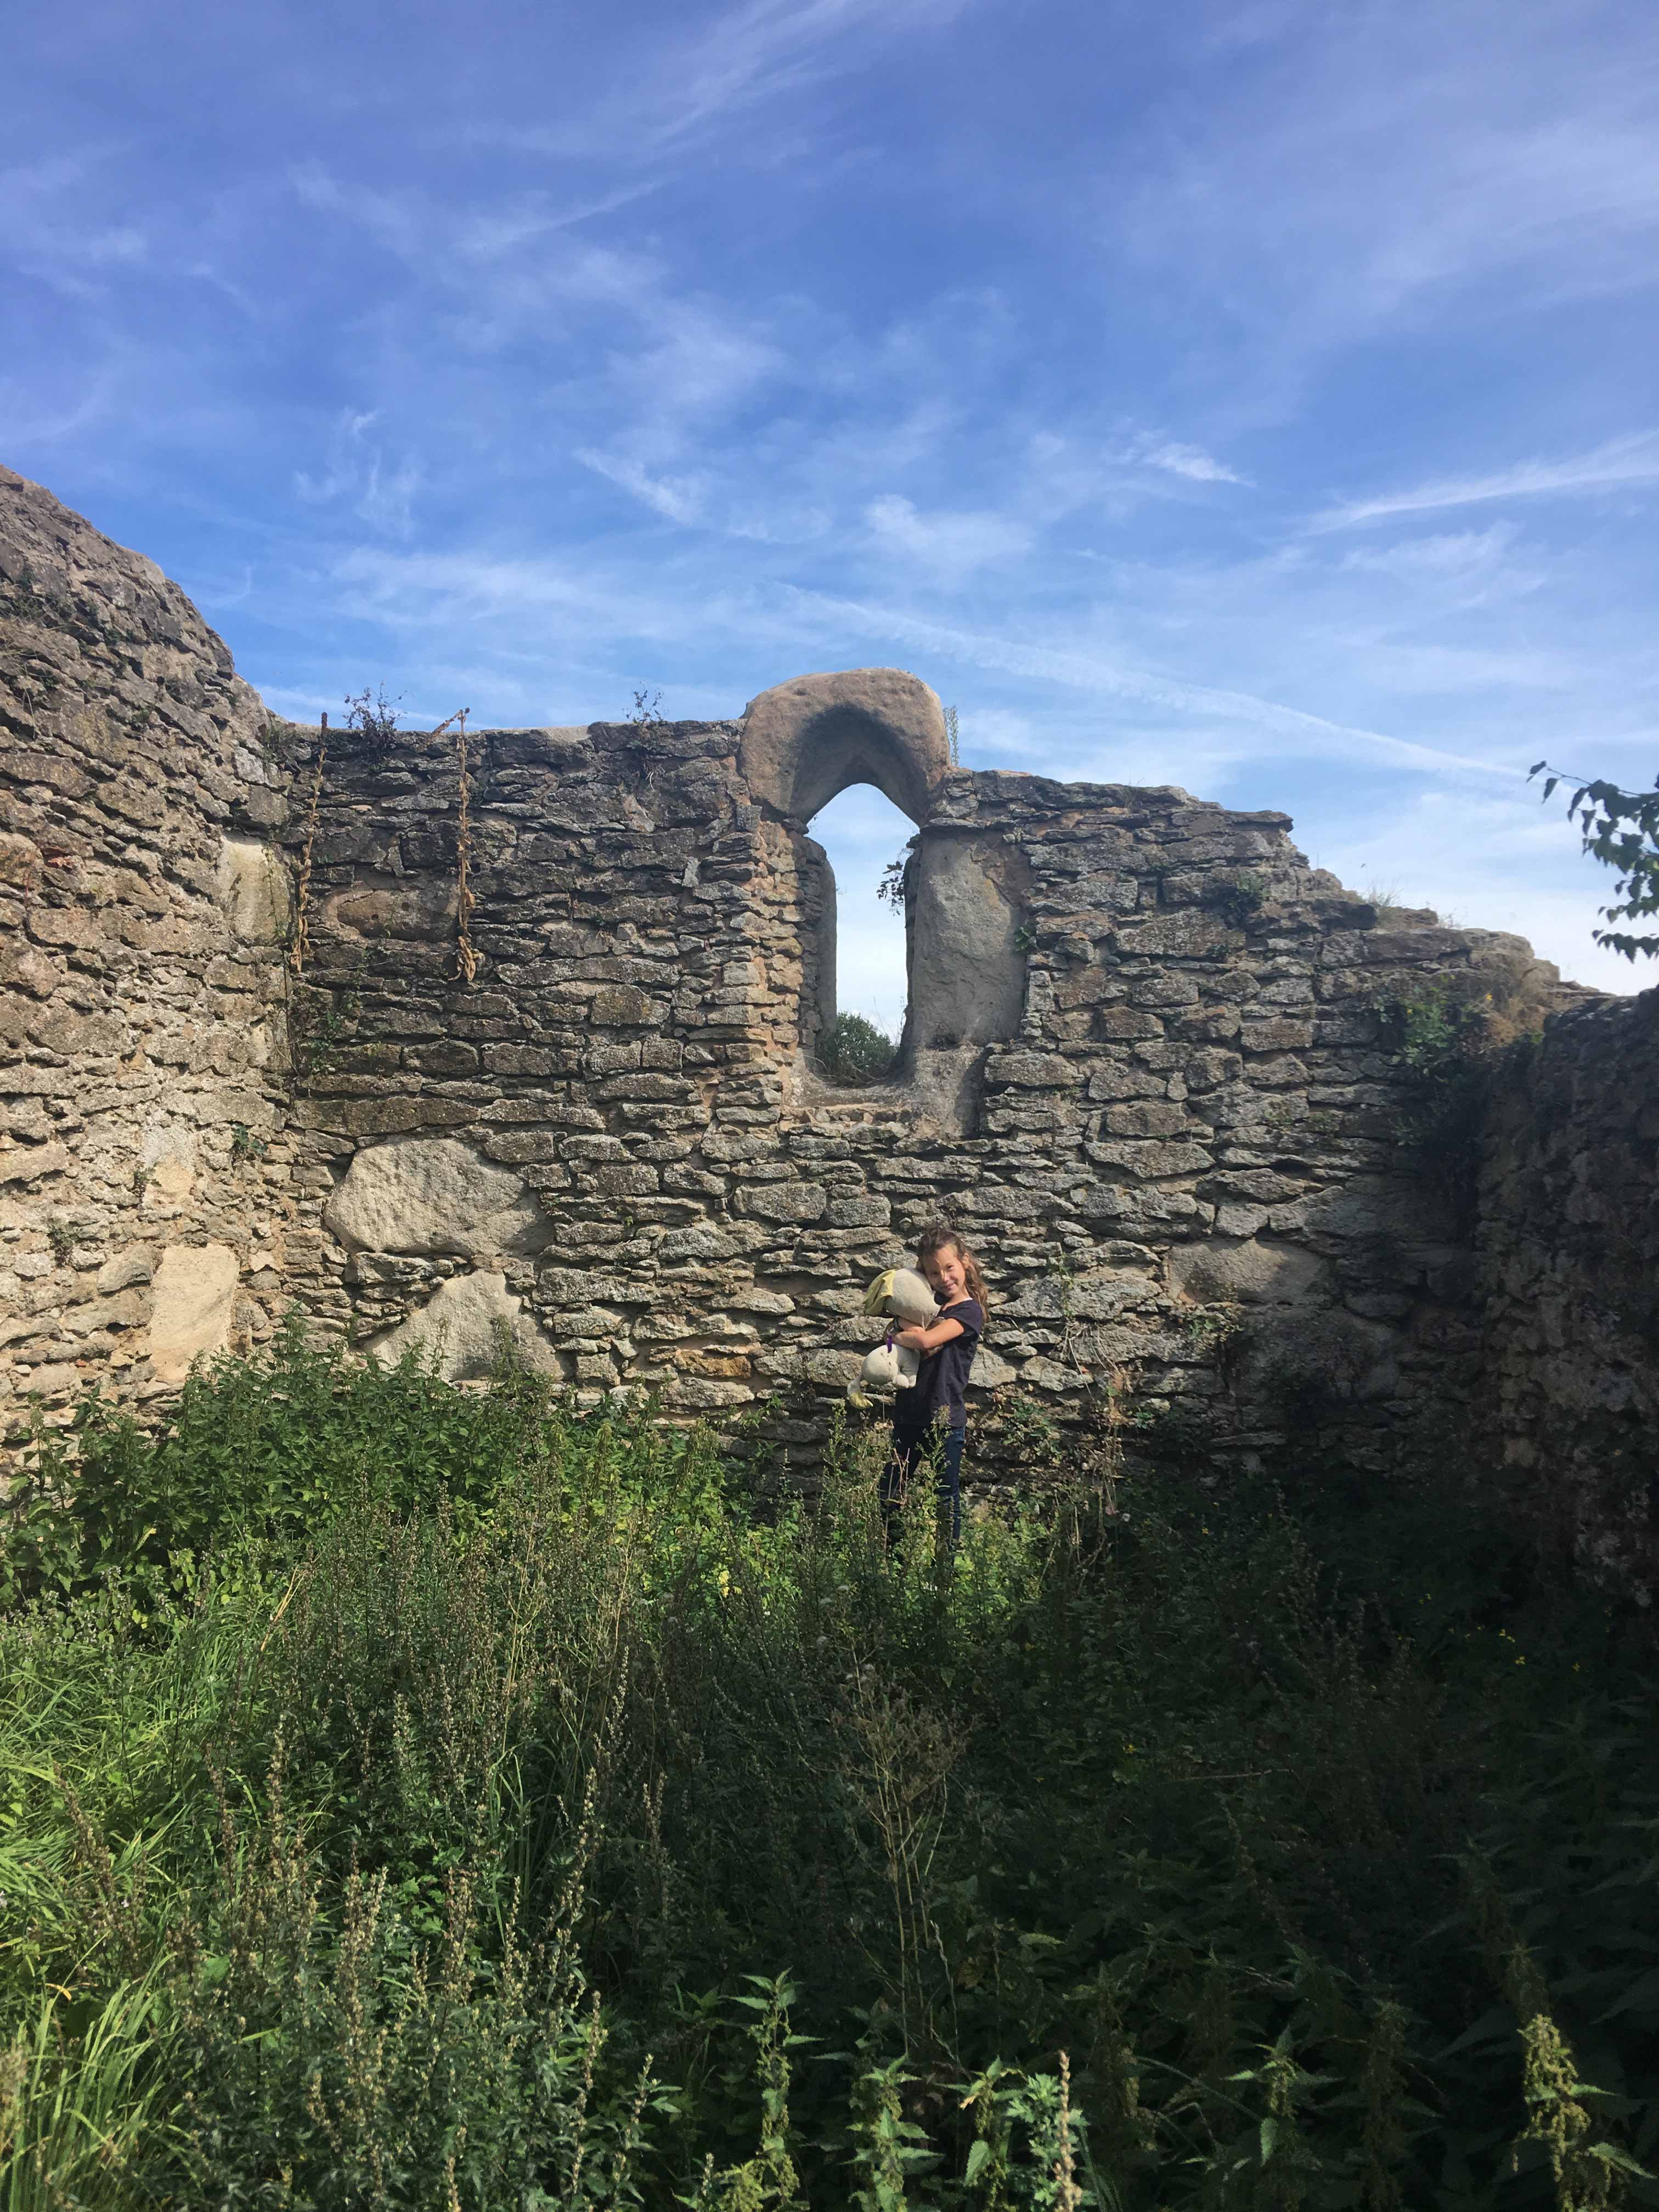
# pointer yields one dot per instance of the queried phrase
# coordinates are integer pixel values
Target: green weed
(433, 1797)
(853, 1051)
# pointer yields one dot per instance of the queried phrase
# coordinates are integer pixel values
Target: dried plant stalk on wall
(464, 899)
(296, 955)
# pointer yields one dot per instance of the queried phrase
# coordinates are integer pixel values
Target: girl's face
(947, 1278)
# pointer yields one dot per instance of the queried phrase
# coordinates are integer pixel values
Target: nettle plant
(422, 1799)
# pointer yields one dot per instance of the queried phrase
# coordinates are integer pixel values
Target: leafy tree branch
(1621, 828)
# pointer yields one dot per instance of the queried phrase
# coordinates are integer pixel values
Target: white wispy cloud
(1420, 669)
(387, 498)
(487, 233)
(1388, 170)
(29, 424)
(1182, 460)
(394, 218)
(405, 589)
(693, 361)
(657, 351)
(344, 465)
(1621, 461)
(947, 544)
(1455, 555)
(59, 224)
(747, 57)
(378, 492)
(1074, 665)
(681, 499)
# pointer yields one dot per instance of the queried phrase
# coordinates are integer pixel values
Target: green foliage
(244, 1145)
(1621, 828)
(431, 1797)
(77, 2104)
(62, 1235)
(854, 1051)
(891, 889)
(1236, 898)
(278, 740)
(1205, 1330)
(1390, 907)
(328, 1018)
(1441, 1046)
(259, 1453)
(1029, 1439)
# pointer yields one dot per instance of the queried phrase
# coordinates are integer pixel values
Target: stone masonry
(142, 1166)
(1570, 1276)
(544, 1077)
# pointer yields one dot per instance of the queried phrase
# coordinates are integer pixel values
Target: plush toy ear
(910, 1300)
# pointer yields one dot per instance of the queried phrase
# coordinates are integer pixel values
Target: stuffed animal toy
(901, 1292)
(904, 1297)
(890, 1367)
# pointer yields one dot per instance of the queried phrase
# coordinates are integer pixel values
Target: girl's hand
(913, 1339)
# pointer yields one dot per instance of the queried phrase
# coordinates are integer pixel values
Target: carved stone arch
(805, 741)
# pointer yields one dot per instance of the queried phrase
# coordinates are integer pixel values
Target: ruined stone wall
(1569, 1281)
(251, 1059)
(141, 1023)
(1177, 1159)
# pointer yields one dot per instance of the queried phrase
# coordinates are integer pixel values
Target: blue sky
(1253, 395)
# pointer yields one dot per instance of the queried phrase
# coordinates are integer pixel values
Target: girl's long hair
(935, 1239)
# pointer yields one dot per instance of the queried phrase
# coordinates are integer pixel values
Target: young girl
(936, 1407)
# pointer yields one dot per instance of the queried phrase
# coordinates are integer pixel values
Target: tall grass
(433, 1798)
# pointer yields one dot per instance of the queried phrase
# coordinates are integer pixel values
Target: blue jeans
(909, 1455)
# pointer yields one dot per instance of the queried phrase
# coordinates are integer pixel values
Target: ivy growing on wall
(1449, 1051)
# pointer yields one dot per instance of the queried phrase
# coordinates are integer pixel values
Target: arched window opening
(810, 751)
(856, 1014)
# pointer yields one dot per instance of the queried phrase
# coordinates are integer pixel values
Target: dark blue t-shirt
(940, 1391)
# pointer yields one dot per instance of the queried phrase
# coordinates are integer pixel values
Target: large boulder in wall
(1245, 1271)
(193, 1301)
(435, 1196)
(254, 890)
(463, 1328)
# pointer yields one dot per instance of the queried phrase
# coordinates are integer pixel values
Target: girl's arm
(929, 1338)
